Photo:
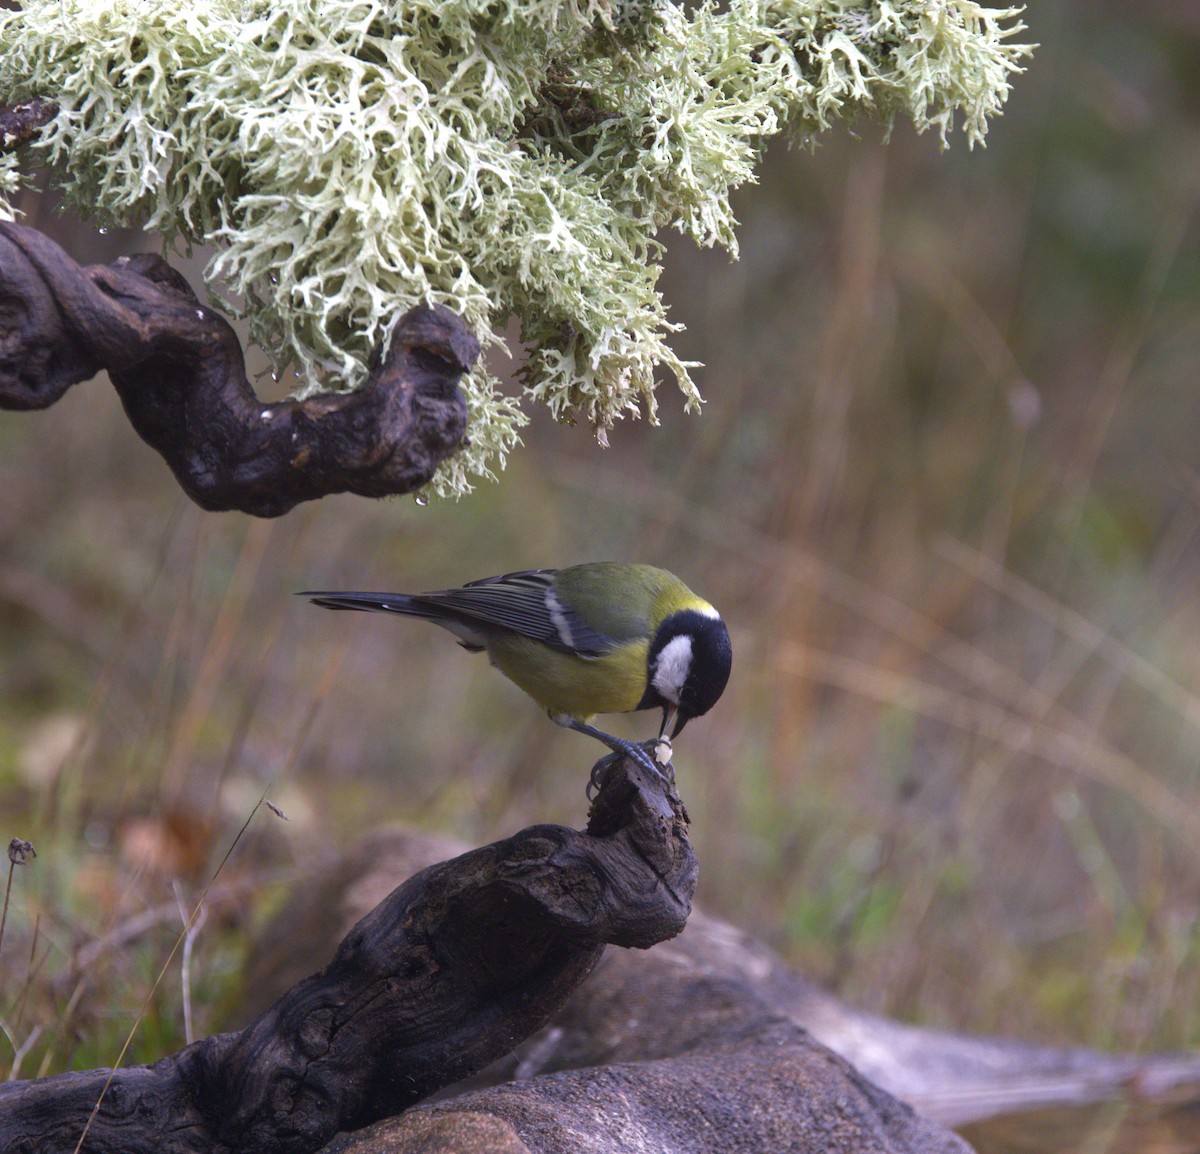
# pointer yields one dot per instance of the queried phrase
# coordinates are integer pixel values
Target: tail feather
(382, 602)
(468, 632)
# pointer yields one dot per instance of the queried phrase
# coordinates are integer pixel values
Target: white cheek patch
(673, 666)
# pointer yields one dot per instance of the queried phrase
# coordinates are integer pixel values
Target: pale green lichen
(10, 185)
(508, 158)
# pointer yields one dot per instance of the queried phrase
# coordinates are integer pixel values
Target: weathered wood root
(692, 1047)
(678, 1050)
(180, 373)
(768, 1088)
(450, 972)
(667, 1046)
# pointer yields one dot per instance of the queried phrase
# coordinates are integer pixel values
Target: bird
(602, 637)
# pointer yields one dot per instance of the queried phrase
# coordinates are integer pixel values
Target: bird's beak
(670, 712)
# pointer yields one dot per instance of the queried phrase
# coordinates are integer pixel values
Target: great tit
(606, 637)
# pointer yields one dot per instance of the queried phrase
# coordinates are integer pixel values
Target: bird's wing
(524, 603)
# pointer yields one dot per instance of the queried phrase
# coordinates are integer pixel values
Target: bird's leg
(631, 749)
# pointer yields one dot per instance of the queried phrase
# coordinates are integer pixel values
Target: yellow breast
(564, 683)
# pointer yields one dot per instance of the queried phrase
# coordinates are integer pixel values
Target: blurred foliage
(945, 490)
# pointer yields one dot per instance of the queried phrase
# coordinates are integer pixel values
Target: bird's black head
(688, 666)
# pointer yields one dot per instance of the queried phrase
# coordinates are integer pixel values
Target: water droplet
(421, 500)
(104, 231)
(200, 314)
(274, 375)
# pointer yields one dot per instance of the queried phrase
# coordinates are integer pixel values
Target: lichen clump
(347, 159)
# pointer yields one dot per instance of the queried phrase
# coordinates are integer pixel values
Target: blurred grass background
(945, 491)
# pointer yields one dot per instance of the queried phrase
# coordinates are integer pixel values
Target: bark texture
(178, 368)
(451, 971)
(766, 1089)
(640, 1011)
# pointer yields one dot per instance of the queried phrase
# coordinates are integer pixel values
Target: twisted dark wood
(451, 971)
(181, 376)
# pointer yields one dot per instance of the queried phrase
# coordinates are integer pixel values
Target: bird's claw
(599, 773)
(650, 759)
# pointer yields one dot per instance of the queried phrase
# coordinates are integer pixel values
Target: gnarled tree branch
(451, 971)
(179, 370)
